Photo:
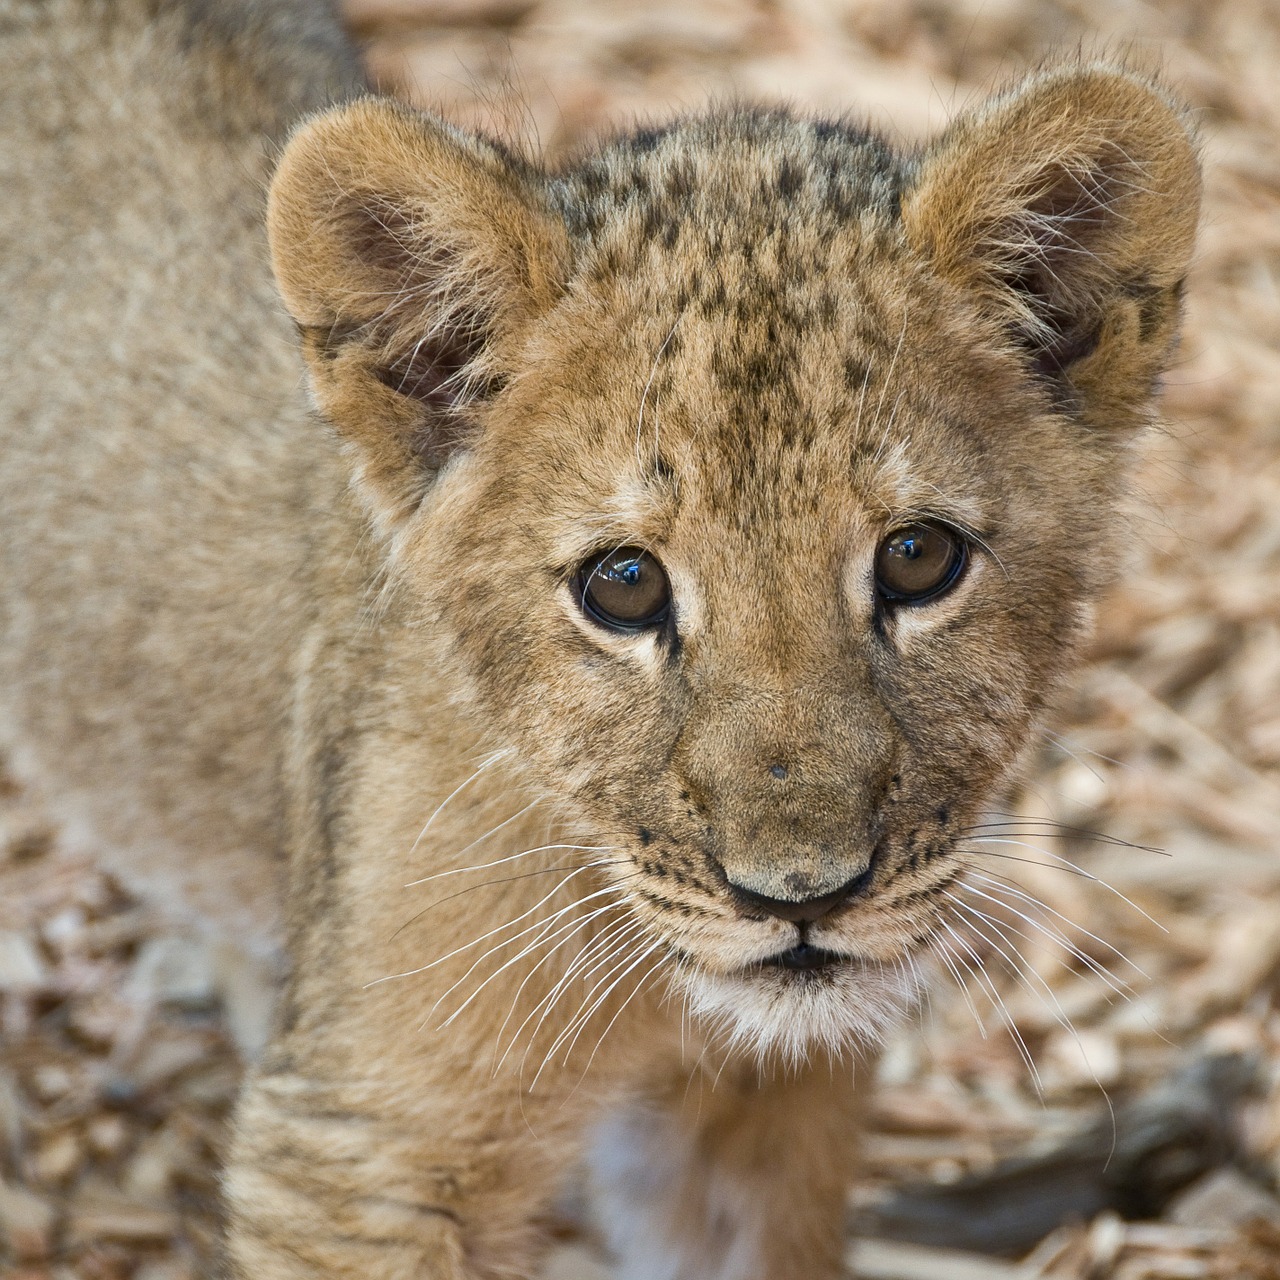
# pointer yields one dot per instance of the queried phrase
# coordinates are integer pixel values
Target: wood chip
(882, 1260)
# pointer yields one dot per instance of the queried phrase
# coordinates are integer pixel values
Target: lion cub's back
(160, 485)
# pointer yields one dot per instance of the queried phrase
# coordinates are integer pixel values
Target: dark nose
(806, 910)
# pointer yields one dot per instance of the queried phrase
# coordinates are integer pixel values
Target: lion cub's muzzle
(800, 857)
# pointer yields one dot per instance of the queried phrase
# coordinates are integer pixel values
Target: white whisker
(946, 958)
(571, 926)
(581, 1020)
(1057, 857)
(987, 984)
(524, 915)
(487, 763)
(1014, 1032)
(657, 965)
(1052, 1003)
(601, 942)
(1052, 931)
(644, 396)
(514, 857)
(1110, 980)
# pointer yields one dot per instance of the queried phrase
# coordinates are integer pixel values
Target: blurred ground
(1145, 1145)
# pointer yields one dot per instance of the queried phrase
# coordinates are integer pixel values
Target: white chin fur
(789, 1016)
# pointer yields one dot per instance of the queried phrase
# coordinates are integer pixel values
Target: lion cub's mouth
(803, 956)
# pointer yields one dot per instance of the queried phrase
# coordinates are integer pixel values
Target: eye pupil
(625, 589)
(919, 561)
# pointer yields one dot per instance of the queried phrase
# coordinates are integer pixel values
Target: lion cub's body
(157, 581)
(549, 875)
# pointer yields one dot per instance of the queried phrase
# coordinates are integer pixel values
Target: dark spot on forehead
(715, 301)
(857, 373)
(660, 470)
(679, 181)
(750, 373)
(790, 178)
(646, 139)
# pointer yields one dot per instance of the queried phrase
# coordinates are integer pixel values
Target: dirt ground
(1109, 1109)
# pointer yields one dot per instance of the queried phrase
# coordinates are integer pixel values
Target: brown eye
(625, 589)
(919, 561)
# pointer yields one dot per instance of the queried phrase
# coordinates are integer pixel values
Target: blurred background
(1107, 1108)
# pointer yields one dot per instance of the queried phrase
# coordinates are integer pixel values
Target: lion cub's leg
(399, 1175)
(402, 1125)
(315, 1188)
(740, 1178)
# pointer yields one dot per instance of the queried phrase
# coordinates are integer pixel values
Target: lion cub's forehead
(749, 232)
(700, 480)
(728, 180)
(745, 325)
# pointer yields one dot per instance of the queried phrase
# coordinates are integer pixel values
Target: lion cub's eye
(919, 561)
(625, 589)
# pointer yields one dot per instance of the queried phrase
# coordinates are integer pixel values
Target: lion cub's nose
(802, 910)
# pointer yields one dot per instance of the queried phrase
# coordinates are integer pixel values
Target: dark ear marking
(1058, 339)
(434, 369)
(440, 349)
(1052, 358)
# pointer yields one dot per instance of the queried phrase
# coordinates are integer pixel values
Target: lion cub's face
(757, 479)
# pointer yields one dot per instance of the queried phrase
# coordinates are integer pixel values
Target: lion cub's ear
(412, 257)
(1070, 206)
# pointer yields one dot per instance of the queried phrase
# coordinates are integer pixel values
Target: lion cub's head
(757, 478)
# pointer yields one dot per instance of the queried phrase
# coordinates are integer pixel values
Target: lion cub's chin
(790, 1014)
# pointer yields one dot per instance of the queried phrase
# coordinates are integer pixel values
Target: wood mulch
(1103, 1105)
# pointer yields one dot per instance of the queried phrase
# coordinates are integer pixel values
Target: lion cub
(682, 549)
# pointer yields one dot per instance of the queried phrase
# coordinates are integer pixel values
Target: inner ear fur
(412, 256)
(1069, 207)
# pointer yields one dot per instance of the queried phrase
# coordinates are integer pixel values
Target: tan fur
(146, 361)
(750, 342)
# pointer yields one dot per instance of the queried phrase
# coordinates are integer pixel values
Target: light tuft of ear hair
(412, 256)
